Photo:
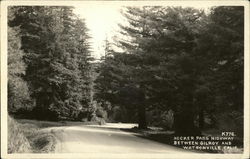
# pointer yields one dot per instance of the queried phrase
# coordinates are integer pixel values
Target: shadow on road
(163, 138)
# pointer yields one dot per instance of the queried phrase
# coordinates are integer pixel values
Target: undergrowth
(28, 138)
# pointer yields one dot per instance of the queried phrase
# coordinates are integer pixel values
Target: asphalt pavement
(106, 139)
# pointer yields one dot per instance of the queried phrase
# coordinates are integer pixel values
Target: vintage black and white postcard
(124, 79)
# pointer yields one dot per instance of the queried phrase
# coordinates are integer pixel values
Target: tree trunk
(142, 124)
(184, 122)
(201, 118)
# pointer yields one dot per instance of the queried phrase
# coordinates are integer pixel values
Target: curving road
(107, 138)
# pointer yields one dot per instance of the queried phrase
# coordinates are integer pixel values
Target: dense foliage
(180, 62)
(18, 92)
(55, 50)
(176, 58)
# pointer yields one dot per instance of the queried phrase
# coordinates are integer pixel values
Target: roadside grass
(39, 124)
(27, 137)
(47, 124)
(17, 142)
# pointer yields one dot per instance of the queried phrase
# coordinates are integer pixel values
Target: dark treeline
(179, 59)
(171, 59)
(48, 63)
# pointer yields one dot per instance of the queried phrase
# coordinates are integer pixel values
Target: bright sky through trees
(102, 21)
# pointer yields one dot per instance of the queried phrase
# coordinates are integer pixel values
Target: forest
(180, 68)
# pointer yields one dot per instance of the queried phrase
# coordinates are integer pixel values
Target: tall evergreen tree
(18, 92)
(222, 45)
(54, 54)
(158, 60)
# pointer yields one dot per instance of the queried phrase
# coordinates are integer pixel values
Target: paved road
(108, 138)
